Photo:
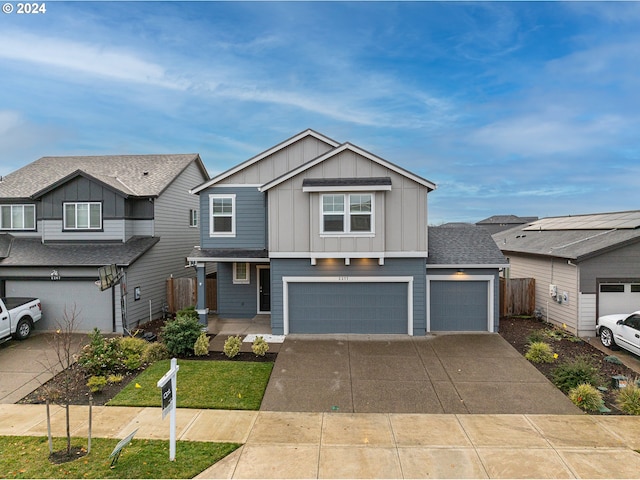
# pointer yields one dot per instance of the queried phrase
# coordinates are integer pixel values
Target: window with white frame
(241, 273)
(82, 216)
(193, 217)
(223, 215)
(347, 213)
(17, 217)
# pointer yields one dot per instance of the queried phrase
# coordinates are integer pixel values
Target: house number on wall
(343, 279)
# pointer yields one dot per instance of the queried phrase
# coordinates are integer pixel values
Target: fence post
(170, 295)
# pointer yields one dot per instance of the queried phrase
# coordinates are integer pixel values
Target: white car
(620, 330)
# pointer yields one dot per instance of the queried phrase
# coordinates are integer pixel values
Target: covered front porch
(222, 328)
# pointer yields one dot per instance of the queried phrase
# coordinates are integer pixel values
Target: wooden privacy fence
(183, 293)
(517, 296)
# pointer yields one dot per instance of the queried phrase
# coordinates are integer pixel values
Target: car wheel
(23, 330)
(606, 337)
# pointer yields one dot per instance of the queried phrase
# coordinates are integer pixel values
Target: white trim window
(193, 217)
(17, 217)
(82, 215)
(347, 214)
(241, 273)
(223, 215)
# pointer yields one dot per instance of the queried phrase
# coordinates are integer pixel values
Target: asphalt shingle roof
(124, 173)
(31, 251)
(461, 244)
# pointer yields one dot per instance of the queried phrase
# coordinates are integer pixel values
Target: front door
(264, 290)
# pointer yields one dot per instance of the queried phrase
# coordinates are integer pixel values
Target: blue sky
(517, 108)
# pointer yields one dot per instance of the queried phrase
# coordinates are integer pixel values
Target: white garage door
(618, 298)
(93, 307)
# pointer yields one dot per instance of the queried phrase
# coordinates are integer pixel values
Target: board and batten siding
(622, 263)
(400, 214)
(167, 257)
(548, 271)
(82, 189)
(414, 267)
(279, 162)
(250, 218)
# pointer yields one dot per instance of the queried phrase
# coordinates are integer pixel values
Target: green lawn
(27, 457)
(224, 385)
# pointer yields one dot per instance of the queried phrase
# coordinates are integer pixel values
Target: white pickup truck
(18, 316)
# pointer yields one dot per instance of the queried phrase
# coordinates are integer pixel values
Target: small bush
(539, 352)
(101, 356)
(201, 347)
(114, 379)
(586, 396)
(232, 346)
(188, 312)
(154, 352)
(132, 345)
(180, 335)
(628, 399)
(96, 383)
(260, 347)
(535, 337)
(570, 374)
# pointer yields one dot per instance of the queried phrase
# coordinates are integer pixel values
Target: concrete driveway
(27, 364)
(447, 373)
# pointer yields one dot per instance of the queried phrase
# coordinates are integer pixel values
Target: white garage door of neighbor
(618, 298)
(93, 307)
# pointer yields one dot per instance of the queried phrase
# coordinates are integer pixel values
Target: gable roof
(572, 237)
(336, 151)
(460, 245)
(130, 175)
(306, 133)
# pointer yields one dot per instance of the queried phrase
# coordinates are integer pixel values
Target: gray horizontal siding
(250, 217)
(111, 230)
(236, 301)
(414, 267)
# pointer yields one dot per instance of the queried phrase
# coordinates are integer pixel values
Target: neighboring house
(585, 266)
(329, 238)
(498, 223)
(61, 218)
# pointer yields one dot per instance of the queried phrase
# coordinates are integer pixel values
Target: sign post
(167, 385)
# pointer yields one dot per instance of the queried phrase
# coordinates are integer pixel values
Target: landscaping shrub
(586, 396)
(201, 347)
(188, 312)
(536, 336)
(132, 349)
(96, 383)
(180, 335)
(628, 399)
(232, 346)
(153, 352)
(260, 347)
(539, 352)
(101, 356)
(571, 373)
(115, 378)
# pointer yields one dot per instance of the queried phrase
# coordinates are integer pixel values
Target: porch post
(201, 306)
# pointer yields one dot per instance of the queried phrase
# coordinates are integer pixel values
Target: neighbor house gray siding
(250, 217)
(621, 263)
(414, 267)
(168, 256)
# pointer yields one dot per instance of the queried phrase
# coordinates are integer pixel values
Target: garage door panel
(93, 307)
(618, 298)
(348, 307)
(458, 306)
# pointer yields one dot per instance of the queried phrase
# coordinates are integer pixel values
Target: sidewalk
(332, 445)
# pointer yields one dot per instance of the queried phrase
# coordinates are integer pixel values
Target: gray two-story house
(62, 218)
(329, 238)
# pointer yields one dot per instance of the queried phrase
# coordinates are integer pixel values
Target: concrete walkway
(340, 445)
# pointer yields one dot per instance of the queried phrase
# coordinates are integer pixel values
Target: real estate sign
(167, 385)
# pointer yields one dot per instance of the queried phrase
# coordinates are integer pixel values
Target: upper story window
(223, 215)
(17, 217)
(347, 213)
(193, 217)
(82, 216)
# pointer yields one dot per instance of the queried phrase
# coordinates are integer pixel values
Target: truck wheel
(23, 330)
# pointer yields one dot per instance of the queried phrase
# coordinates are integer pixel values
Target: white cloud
(91, 59)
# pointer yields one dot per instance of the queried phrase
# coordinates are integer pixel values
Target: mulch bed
(517, 330)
